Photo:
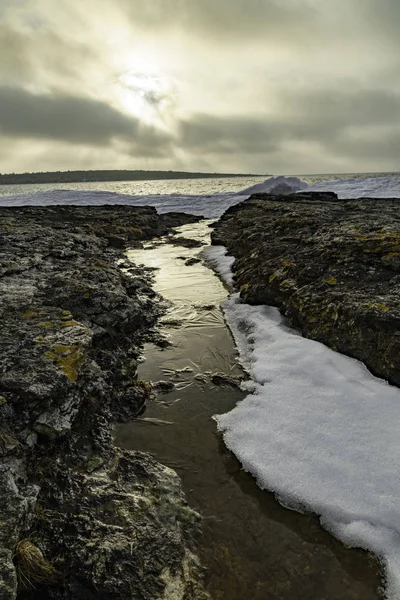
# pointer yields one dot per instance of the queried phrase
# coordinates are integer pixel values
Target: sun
(144, 94)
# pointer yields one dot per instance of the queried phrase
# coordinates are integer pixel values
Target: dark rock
(74, 315)
(185, 242)
(192, 261)
(222, 379)
(330, 265)
(164, 386)
(174, 219)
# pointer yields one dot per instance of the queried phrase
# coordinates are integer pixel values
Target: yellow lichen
(69, 323)
(288, 262)
(46, 324)
(69, 359)
(273, 276)
(381, 307)
(375, 306)
(29, 314)
(330, 281)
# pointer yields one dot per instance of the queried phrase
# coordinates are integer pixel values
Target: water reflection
(254, 548)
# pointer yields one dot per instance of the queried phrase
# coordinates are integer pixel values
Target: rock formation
(332, 267)
(80, 518)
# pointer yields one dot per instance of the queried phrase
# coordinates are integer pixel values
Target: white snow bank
(318, 430)
(359, 187)
(293, 184)
(220, 261)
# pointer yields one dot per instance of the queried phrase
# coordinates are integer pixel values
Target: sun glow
(143, 92)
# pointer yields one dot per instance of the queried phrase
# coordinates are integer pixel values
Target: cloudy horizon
(261, 86)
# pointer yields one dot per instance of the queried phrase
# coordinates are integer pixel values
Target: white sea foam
(318, 430)
(210, 206)
(292, 184)
(375, 187)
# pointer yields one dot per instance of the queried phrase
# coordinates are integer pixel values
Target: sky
(240, 86)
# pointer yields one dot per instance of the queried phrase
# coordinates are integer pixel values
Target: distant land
(82, 176)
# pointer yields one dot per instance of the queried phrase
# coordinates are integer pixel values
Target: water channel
(251, 546)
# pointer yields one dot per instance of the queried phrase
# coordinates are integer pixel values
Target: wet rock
(184, 242)
(74, 314)
(192, 261)
(121, 529)
(176, 219)
(222, 379)
(330, 265)
(164, 386)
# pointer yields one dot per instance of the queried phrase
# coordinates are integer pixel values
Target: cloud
(73, 120)
(224, 19)
(233, 84)
(357, 123)
(226, 135)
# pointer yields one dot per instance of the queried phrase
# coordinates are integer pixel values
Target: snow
(220, 261)
(318, 429)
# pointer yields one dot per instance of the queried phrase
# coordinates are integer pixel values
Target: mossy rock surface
(332, 266)
(74, 314)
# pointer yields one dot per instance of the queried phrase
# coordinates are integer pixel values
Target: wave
(210, 206)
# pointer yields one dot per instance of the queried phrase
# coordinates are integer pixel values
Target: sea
(208, 197)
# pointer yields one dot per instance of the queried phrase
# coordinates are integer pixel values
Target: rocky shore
(81, 519)
(332, 266)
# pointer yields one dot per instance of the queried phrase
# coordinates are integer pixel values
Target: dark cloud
(14, 58)
(258, 78)
(225, 18)
(227, 135)
(333, 119)
(376, 143)
(325, 114)
(72, 120)
(24, 52)
(382, 16)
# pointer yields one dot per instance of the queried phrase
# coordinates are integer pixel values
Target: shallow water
(253, 548)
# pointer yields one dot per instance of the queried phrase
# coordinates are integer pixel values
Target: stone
(329, 265)
(73, 322)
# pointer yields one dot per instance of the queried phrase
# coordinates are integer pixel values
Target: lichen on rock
(330, 265)
(113, 524)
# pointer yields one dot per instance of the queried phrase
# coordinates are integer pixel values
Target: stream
(252, 547)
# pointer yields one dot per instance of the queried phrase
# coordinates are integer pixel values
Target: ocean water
(208, 197)
(177, 186)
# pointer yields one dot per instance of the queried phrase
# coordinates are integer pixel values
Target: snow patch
(319, 430)
(220, 261)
